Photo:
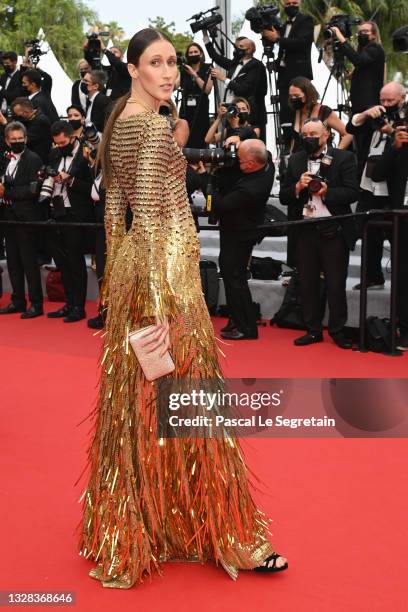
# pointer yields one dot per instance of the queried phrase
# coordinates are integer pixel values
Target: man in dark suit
(20, 193)
(10, 81)
(241, 208)
(246, 77)
(322, 246)
(31, 81)
(368, 60)
(294, 57)
(79, 90)
(37, 124)
(70, 203)
(97, 103)
(392, 167)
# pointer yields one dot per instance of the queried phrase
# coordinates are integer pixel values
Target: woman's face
(194, 52)
(156, 72)
(74, 114)
(296, 92)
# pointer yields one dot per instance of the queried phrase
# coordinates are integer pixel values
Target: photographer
(10, 81)
(246, 77)
(240, 206)
(19, 193)
(322, 182)
(369, 60)
(70, 203)
(37, 124)
(392, 166)
(119, 80)
(79, 92)
(294, 57)
(236, 116)
(31, 83)
(196, 84)
(30, 64)
(375, 127)
(97, 103)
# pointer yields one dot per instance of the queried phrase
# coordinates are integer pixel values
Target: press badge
(191, 101)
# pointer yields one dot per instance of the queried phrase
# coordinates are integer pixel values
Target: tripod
(338, 71)
(269, 57)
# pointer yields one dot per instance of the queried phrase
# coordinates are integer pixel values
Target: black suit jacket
(297, 48)
(392, 167)
(99, 111)
(39, 135)
(368, 75)
(79, 193)
(14, 89)
(75, 97)
(241, 208)
(23, 197)
(342, 188)
(250, 83)
(45, 104)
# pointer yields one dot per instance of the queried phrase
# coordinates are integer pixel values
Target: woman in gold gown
(150, 500)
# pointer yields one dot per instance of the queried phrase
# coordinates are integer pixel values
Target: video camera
(215, 157)
(264, 18)
(344, 23)
(208, 23)
(400, 40)
(35, 51)
(93, 52)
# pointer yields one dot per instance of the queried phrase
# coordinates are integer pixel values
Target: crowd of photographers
(50, 174)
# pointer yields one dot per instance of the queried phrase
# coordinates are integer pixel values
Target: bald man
(324, 246)
(246, 77)
(241, 208)
(375, 140)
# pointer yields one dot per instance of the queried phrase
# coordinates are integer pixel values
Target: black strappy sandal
(271, 568)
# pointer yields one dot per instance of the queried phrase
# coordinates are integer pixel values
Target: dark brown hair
(137, 45)
(202, 55)
(310, 91)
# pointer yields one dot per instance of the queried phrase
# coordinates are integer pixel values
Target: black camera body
(315, 184)
(208, 23)
(35, 52)
(93, 52)
(90, 135)
(232, 109)
(215, 157)
(400, 40)
(344, 23)
(264, 18)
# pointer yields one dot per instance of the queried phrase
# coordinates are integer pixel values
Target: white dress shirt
(65, 166)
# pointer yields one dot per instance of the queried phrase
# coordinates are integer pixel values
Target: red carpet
(339, 506)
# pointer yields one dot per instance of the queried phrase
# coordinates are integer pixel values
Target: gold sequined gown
(150, 500)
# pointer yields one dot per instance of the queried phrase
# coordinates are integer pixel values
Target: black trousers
(233, 261)
(21, 247)
(66, 246)
(402, 294)
(375, 238)
(316, 254)
(100, 245)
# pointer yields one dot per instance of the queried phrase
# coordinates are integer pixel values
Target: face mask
(67, 150)
(311, 144)
(83, 87)
(192, 59)
(82, 73)
(239, 54)
(17, 147)
(76, 123)
(297, 103)
(8, 69)
(291, 11)
(243, 117)
(363, 39)
(25, 89)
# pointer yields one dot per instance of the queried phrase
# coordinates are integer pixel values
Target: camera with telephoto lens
(232, 109)
(46, 175)
(344, 23)
(208, 23)
(315, 184)
(34, 52)
(215, 157)
(181, 59)
(264, 18)
(90, 135)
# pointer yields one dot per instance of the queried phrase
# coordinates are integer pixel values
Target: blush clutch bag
(153, 364)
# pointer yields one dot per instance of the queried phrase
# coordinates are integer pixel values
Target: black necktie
(316, 158)
(88, 104)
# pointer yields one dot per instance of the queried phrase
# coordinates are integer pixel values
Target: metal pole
(363, 288)
(394, 286)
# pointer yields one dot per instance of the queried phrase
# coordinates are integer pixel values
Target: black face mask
(363, 39)
(192, 59)
(297, 103)
(392, 111)
(291, 11)
(8, 69)
(239, 54)
(66, 151)
(17, 147)
(311, 144)
(82, 73)
(76, 123)
(83, 87)
(19, 118)
(243, 117)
